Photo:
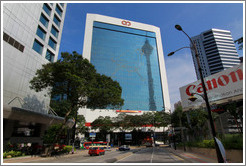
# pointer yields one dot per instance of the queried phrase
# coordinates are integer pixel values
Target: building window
(62, 4)
(13, 42)
(46, 8)
(41, 33)
(44, 20)
(50, 56)
(58, 10)
(57, 20)
(52, 43)
(54, 31)
(38, 47)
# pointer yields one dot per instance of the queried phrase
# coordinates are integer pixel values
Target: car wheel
(103, 153)
(90, 154)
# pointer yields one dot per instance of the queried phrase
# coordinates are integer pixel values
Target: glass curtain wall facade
(130, 57)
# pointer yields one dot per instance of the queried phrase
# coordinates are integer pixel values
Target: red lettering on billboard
(225, 78)
(222, 80)
(188, 89)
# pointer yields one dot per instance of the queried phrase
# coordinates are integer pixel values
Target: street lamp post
(219, 155)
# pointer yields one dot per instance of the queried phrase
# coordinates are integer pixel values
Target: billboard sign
(128, 137)
(92, 135)
(225, 84)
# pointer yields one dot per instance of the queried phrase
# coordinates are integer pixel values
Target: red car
(96, 151)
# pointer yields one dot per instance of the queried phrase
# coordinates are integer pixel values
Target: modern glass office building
(130, 53)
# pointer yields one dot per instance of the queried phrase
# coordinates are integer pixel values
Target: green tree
(232, 109)
(198, 120)
(239, 41)
(175, 117)
(75, 80)
(50, 134)
(104, 124)
(81, 128)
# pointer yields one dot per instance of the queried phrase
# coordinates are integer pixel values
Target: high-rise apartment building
(130, 53)
(216, 51)
(31, 37)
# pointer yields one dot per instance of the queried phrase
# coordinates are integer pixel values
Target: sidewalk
(193, 157)
(35, 158)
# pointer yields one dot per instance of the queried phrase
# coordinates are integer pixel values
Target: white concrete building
(130, 53)
(216, 51)
(31, 37)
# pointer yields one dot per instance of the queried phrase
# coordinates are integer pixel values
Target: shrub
(68, 148)
(233, 141)
(4, 154)
(230, 141)
(12, 154)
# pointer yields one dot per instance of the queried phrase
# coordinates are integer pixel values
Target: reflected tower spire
(147, 50)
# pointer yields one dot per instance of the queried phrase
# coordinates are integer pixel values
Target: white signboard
(219, 86)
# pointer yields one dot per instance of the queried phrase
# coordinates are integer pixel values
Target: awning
(21, 114)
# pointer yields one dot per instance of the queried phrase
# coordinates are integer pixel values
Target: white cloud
(180, 72)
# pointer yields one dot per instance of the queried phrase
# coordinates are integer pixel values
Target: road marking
(124, 156)
(177, 157)
(152, 155)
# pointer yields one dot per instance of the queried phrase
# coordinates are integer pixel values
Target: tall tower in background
(31, 37)
(216, 51)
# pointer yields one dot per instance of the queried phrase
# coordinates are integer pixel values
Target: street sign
(108, 138)
(92, 135)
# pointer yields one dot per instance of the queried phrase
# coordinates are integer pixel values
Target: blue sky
(193, 17)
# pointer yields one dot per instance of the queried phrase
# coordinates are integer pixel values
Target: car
(124, 147)
(96, 151)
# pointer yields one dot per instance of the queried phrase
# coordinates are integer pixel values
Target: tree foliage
(74, 82)
(131, 122)
(104, 124)
(51, 134)
(75, 79)
(81, 128)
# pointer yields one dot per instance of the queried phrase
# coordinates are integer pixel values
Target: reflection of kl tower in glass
(147, 50)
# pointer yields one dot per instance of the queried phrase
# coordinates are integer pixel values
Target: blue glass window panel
(54, 31)
(57, 21)
(44, 20)
(120, 55)
(38, 47)
(41, 33)
(52, 43)
(47, 8)
(50, 56)
(58, 10)
(123, 29)
(62, 4)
